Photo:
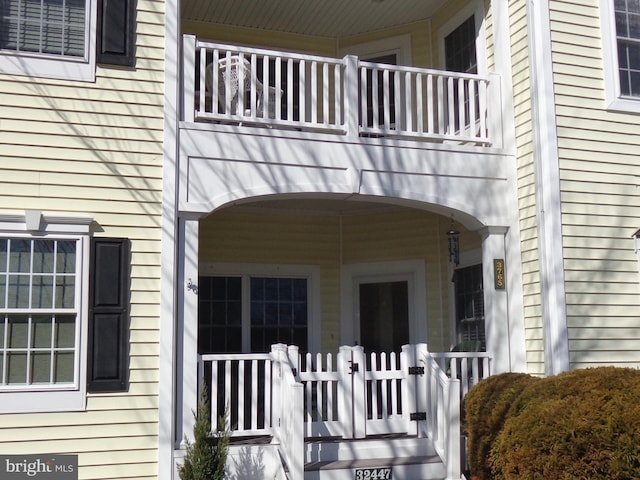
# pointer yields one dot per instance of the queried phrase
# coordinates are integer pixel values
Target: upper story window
(460, 48)
(621, 42)
(52, 27)
(48, 38)
(628, 38)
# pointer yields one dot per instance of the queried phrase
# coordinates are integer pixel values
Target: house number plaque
(498, 273)
(381, 473)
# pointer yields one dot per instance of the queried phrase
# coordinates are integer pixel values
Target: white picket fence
(251, 86)
(350, 395)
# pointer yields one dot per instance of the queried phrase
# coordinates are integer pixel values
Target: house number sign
(498, 273)
(381, 473)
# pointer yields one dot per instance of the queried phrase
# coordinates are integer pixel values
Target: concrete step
(382, 446)
(396, 457)
(392, 468)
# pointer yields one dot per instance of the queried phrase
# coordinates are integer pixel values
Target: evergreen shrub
(206, 456)
(486, 407)
(582, 424)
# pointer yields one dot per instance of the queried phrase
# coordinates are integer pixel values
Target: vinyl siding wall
(95, 149)
(599, 168)
(329, 241)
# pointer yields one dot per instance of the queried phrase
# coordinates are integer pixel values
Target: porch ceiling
(324, 18)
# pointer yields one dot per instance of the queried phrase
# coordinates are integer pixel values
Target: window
(39, 305)
(461, 56)
(621, 42)
(628, 37)
(50, 38)
(460, 48)
(41, 309)
(469, 305)
(44, 26)
(249, 312)
(63, 313)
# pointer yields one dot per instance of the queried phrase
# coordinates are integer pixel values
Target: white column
(496, 313)
(188, 322)
(548, 194)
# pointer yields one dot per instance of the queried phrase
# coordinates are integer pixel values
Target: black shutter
(108, 329)
(116, 32)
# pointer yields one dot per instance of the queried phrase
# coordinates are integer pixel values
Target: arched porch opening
(360, 272)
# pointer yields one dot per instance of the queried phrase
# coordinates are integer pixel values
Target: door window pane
(384, 316)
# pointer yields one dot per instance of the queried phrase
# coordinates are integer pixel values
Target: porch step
(402, 468)
(378, 446)
(409, 458)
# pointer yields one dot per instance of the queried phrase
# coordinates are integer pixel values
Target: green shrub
(206, 456)
(486, 406)
(581, 424)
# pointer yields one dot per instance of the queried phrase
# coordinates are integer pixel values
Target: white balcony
(253, 87)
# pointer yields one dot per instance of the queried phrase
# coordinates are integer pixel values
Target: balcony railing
(256, 87)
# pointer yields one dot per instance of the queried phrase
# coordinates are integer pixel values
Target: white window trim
(613, 98)
(477, 10)
(353, 274)
(399, 45)
(55, 66)
(310, 272)
(52, 398)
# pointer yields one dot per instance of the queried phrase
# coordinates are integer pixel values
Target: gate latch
(354, 367)
(416, 370)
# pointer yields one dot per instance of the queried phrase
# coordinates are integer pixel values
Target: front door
(383, 312)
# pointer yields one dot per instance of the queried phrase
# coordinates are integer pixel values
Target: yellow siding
(95, 149)
(246, 237)
(599, 166)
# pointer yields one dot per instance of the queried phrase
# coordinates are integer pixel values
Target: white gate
(353, 394)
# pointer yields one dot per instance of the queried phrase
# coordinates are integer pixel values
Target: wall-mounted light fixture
(453, 240)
